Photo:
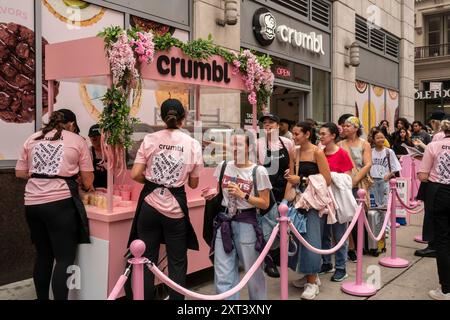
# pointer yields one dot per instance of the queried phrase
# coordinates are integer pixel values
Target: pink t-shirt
(340, 161)
(170, 156)
(64, 157)
(436, 161)
(439, 136)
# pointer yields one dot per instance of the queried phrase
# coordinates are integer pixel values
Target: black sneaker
(272, 271)
(352, 256)
(339, 275)
(326, 268)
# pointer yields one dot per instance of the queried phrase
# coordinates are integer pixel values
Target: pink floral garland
(122, 54)
(256, 77)
(124, 51)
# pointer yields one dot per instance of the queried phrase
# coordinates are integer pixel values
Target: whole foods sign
(266, 30)
(427, 95)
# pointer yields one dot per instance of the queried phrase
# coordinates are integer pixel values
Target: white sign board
(435, 86)
(403, 193)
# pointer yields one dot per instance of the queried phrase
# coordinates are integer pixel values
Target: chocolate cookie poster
(17, 75)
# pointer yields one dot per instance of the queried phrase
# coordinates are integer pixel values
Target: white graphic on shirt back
(166, 170)
(443, 168)
(47, 158)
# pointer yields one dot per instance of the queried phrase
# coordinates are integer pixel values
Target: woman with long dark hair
(51, 161)
(339, 162)
(403, 137)
(311, 161)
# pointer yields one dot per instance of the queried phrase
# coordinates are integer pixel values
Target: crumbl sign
(266, 30)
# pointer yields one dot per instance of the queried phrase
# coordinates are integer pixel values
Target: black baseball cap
(270, 116)
(172, 104)
(94, 131)
(438, 115)
(69, 116)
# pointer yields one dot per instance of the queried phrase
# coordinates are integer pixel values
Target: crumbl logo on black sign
(264, 26)
(266, 30)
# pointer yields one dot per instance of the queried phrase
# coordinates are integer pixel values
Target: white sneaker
(311, 291)
(438, 294)
(300, 283)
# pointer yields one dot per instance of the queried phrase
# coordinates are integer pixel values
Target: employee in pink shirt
(51, 161)
(435, 169)
(166, 161)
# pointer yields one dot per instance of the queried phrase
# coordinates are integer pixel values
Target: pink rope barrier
(175, 286)
(303, 241)
(385, 223)
(404, 205)
(119, 285)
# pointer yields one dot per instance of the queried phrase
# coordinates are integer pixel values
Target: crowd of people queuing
(294, 163)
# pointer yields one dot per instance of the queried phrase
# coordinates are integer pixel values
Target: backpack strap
(222, 172)
(255, 185)
(388, 157)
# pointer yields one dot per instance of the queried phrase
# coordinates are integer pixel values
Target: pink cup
(126, 195)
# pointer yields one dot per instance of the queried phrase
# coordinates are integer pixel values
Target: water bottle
(232, 201)
(373, 204)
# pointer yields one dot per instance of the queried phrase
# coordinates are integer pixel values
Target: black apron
(83, 236)
(100, 176)
(277, 180)
(180, 195)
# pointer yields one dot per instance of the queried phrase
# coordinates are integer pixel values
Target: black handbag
(212, 208)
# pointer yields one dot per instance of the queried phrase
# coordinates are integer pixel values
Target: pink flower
(144, 47)
(252, 98)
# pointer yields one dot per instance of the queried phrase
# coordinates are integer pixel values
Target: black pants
(54, 231)
(152, 227)
(441, 219)
(428, 222)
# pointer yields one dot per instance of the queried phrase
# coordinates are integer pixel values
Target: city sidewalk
(412, 283)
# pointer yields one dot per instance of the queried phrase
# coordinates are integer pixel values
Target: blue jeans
(308, 262)
(226, 266)
(338, 230)
(380, 190)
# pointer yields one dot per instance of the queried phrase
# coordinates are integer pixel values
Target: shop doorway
(289, 103)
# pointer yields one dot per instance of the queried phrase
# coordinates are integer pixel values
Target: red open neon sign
(283, 72)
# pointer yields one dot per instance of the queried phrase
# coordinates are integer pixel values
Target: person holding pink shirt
(51, 161)
(435, 170)
(340, 162)
(166, 161)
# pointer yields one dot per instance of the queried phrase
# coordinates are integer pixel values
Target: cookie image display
(17, 74)
(90, 96)
(75, 12)
(147, 25)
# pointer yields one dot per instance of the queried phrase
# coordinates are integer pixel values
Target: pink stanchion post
(284, 291)
(393, 261)
(137, 249)
(359, 288)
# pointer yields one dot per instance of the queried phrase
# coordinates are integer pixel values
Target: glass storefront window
(321, 106)
(291, 71)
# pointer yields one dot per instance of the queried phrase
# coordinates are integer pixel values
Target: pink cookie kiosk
(102, 262)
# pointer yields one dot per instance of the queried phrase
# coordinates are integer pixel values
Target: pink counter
(102, 262)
